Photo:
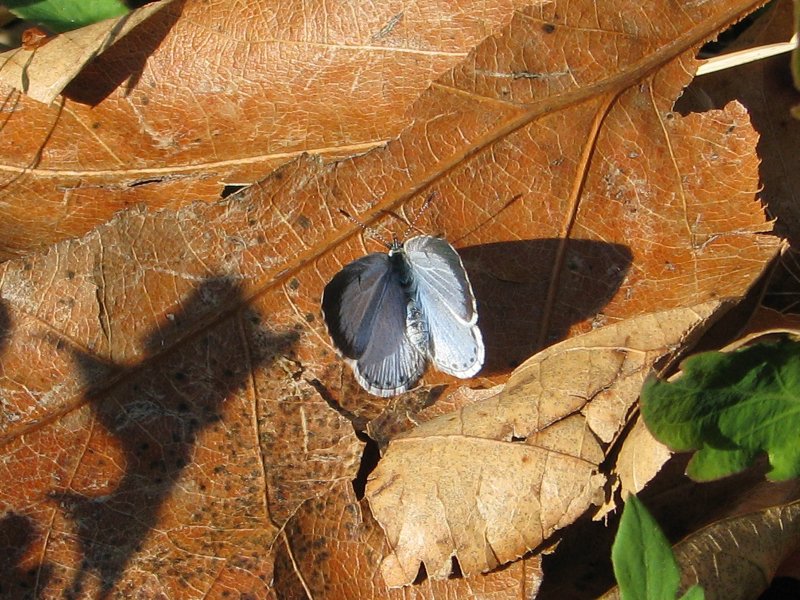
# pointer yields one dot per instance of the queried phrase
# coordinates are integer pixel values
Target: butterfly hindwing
(365, 308)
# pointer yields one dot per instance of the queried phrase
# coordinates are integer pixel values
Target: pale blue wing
(365, 309)
(444, 295)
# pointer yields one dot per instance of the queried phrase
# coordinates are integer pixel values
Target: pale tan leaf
(495, 479)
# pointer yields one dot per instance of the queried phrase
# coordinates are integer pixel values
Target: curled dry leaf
(640, 459)
(736, 558)
(207, 94)
(168, 388)
(494, 480)
(42, 71)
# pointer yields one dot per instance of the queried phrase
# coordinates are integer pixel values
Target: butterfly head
(395, 247)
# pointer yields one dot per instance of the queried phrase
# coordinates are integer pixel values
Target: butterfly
(389, 313)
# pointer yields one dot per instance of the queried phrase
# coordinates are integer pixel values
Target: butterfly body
(389, 313)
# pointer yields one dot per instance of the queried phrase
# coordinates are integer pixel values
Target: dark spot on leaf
(310, 318)
(294, 283)
(548, 28)
(303, 221)
(70, 274)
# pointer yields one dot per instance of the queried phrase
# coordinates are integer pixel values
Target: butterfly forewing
(444, 294)
(365, 309)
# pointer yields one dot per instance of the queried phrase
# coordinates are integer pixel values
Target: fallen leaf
(42, 72)
(210, 96)
(168, 388)
(331, 548)
(640, 458)
(765, 88)
(735, 559)
(496, 479)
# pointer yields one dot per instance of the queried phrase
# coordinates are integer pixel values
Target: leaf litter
(182, 351)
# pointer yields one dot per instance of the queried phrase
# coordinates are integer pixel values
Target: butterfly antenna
(372, 233)
(413, 225)
(490, 219)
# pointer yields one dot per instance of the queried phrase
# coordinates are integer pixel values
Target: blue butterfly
(388, 313)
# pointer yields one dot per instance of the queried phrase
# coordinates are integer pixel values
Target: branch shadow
(17, 532)
(124, 61)
(156, 411)
(511, 279)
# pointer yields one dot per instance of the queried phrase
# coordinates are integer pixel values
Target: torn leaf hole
(231, 189)
(369, 460)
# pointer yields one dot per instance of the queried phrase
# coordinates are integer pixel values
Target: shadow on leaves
(156, 410)
(511, 282)
(16, 535)
(124, 61)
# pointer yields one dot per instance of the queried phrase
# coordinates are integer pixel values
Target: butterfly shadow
(155, 411)
(511, 281)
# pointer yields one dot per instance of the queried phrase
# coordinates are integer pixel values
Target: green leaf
(730, 407)
(644, 565)
(694, 593)
(65, 15)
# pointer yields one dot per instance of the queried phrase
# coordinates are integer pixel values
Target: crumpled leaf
(44, 72)
(210, 94)
(735, 558)
(640, 459)
(497, 478)
(331, 549)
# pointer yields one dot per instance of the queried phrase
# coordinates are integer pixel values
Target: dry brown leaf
(497, 478)
(211, 93)
(640, 458)
(736, 558)
(765, 88)
(43, 72)
(332, 549)
(168, 389)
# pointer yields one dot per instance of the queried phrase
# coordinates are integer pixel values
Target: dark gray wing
(444, 295)
(365, 310)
